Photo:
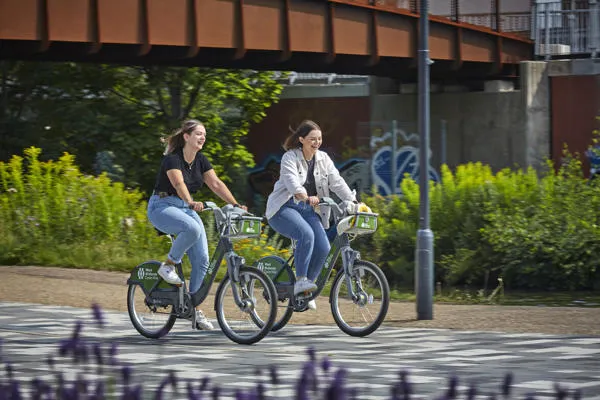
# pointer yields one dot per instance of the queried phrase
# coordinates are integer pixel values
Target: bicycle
(162, 300)
(350, 285)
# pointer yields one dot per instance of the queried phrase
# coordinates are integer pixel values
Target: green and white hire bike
(154, 305)
(359, 295)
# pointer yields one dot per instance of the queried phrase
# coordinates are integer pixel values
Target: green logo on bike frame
(271, 265)
(147, 275)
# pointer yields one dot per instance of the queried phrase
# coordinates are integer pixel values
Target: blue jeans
(171, 215)
(300, 222)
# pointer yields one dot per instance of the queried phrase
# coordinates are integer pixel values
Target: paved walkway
(30, 333)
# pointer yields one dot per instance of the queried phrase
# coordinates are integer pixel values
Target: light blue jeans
(171, 215)
(300, 222)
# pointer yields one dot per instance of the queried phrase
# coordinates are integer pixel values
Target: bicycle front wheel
(252, 321)
(364, 314)
(149, 320)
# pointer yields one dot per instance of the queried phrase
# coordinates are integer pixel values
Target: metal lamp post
(424, 252)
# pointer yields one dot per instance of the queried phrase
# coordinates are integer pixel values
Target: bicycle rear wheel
(253, 321)
(149, 320)
(361, 316)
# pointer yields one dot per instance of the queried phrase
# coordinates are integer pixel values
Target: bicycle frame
(166, 294)
(340, 245)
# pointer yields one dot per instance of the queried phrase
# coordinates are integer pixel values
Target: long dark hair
(176, 141)
(305, 127)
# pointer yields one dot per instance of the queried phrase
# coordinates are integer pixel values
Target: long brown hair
(305, 127)
(176, 141)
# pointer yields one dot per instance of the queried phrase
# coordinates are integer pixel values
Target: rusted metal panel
(478, 47)
(396, 36)
(302, 35)
(351, 31)
(168, 23)
(308, 30)
(216, 23)
(575, 103)
(119, 21)
(19, 20)
(513, 53)
(263, 28)
(69, 21)
(441, 42)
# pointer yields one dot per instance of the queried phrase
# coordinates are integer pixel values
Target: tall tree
(88, 109)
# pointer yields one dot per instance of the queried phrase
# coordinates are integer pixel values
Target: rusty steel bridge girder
(343, 36)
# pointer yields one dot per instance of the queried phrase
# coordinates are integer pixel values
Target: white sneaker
(202, 322)
(167, 272)
(304, 285)
(312, 305)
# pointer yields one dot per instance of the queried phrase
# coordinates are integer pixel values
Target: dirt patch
(82, 287)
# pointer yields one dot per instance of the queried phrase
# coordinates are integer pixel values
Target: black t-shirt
(192, 173)
(310, 184)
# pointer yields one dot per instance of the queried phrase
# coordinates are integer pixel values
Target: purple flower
(274, 375)
(507, 384)
(77, 330)
(560, 392)
(204, 383)
(98, 315)
(191, 393)
(471, 392)
(452, 387)
(405, 387)
(216, 392)
(112, 353)
(133, 394)
(15, 391)
(9, 370)
(326, 364)
(97, 353)
(312, 354)
(260, 391)
(126, 374)
(337, 389)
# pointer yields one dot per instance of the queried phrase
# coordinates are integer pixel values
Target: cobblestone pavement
(430, 356)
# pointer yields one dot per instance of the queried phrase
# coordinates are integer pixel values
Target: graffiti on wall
(361, 170)
(388, 170)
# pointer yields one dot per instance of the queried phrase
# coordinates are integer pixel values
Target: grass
(508, 298)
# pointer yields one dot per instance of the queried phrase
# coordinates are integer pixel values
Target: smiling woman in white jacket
(307, 175)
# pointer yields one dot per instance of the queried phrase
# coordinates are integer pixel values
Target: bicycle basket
(244, 226)
(358, 224)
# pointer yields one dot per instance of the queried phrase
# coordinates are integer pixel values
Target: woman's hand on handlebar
(197, 206)
(245, 208)
(313, 200)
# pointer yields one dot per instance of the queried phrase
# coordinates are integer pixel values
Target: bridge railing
(560, 32)
(499, 15)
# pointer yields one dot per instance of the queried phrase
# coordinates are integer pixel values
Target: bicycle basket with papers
(359, 223)
(244, 226)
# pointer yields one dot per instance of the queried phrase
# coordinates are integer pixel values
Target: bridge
(342, 36)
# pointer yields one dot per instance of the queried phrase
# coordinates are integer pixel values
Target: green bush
(52, 214)
(537, 232)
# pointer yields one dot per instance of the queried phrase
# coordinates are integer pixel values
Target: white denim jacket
(294, 169)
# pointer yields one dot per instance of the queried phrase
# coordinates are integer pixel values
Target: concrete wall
(486, 127)
(501, 127)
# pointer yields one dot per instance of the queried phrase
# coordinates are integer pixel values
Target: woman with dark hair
(306, 175)
(171, 208)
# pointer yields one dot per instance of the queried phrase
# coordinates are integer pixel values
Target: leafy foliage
(536, 232)
(52, 214)
(87, 109)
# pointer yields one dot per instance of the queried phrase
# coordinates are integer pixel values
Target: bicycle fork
(349, 256)
(234, 263)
